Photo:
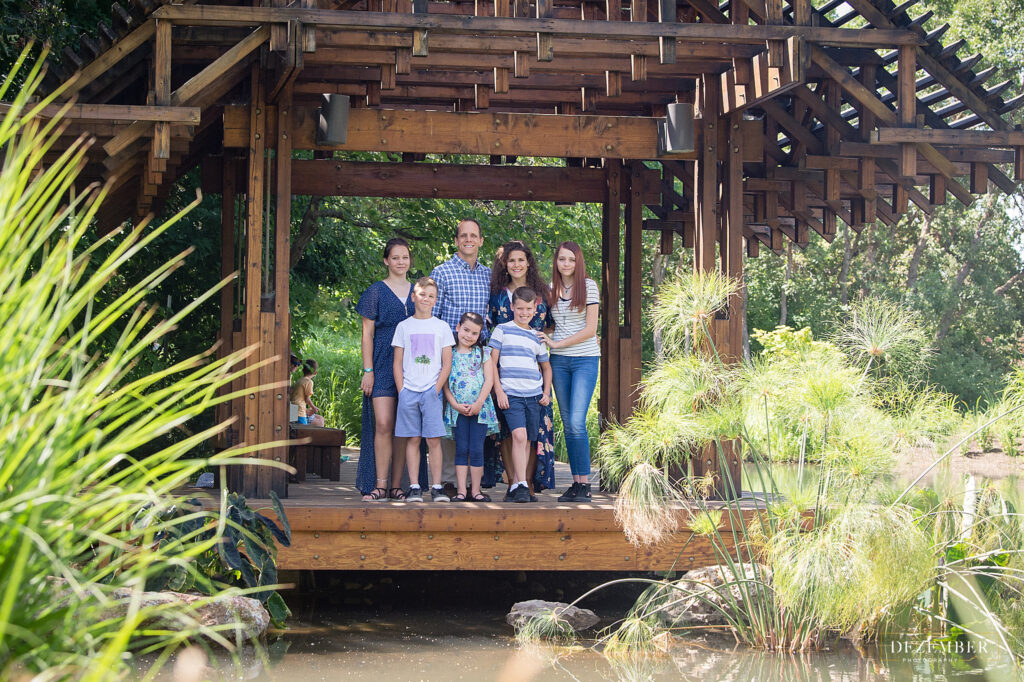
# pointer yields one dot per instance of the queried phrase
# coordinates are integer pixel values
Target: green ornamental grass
(80, 433)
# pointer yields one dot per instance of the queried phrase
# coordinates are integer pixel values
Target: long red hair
(578, 301)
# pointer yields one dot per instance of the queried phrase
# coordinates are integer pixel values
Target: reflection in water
(428, 644)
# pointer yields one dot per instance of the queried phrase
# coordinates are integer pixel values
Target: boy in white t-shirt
(423, 361)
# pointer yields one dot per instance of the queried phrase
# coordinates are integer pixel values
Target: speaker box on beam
(333, 125)
(675, 133)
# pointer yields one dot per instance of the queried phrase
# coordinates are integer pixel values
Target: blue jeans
(574, 380)
(469, 435)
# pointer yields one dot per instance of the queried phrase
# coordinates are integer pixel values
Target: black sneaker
(437, 495)
(508, 495)
(521, 494)
(414, 494)
(582, 492)
(570, 494)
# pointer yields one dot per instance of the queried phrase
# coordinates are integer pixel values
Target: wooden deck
(333, 529)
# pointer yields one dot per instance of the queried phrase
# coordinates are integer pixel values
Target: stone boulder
(578, 619)
(247, 617)
(681, 610)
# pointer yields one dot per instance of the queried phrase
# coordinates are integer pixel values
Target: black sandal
(375, 496)
(480, 497)
(461, 497)
(396, 494)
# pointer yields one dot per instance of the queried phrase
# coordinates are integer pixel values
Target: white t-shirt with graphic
(422, 342)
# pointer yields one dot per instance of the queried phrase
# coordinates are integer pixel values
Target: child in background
(301, 395)
(524, 384)
(470, 413)
(423, 361)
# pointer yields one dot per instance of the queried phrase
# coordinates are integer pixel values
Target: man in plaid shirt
(464, 284)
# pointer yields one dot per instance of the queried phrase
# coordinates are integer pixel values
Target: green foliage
(54, 22)
(245, 555)
(82, 428)
(336, 388)
(786, 342)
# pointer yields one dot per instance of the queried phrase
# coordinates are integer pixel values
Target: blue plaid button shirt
(461, 289)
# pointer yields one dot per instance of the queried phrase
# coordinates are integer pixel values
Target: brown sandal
(396, 494)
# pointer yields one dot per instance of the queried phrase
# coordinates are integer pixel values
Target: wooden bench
(320, 454)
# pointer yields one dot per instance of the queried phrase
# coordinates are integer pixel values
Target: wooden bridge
(332, 528)
(803, 115)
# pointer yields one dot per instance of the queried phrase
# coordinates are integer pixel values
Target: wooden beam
(121, 49)
(886, 116)
(327, 177)
(950, 136)
(767, 81)
(114, 113)
(937, 69)
(192, 88)
(204, 15)
(440, 132)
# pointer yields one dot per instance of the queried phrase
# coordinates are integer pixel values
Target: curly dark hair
(500, 277)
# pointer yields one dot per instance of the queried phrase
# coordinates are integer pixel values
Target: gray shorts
(419, 414)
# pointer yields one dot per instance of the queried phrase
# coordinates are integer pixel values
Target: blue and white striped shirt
(519, 352)
(461, 289)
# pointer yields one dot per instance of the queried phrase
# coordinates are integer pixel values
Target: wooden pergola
(851, 110)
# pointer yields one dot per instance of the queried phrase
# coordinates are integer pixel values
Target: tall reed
(76, 422)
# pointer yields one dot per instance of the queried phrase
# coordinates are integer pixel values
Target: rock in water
(248, 616)
(711, 582)
(577, 618)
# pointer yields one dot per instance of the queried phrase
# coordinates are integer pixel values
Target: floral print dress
(499, 311)
(465, 382)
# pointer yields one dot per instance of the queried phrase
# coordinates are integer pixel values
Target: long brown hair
(500, 277)
(578, 301)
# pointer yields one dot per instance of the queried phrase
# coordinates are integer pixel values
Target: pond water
(468, 644)
(451, 626)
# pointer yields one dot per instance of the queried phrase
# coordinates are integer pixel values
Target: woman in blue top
(516, 268)
(383, 305)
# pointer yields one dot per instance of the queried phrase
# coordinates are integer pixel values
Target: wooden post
(253, 271)
(630, 334)
(227, 294)
(907, 102)
(706, 177)
(611, 219)
(282, 260)
(730, 344)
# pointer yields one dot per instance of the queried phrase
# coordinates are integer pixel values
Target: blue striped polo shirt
(520, 351)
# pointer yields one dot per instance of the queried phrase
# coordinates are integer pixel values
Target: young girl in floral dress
(469, 414)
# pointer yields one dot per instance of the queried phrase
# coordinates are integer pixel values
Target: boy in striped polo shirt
(524, 383)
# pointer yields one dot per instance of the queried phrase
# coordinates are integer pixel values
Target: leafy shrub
(245, 555)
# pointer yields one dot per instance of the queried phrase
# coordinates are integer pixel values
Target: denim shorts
(523, 413)
(419, 414)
